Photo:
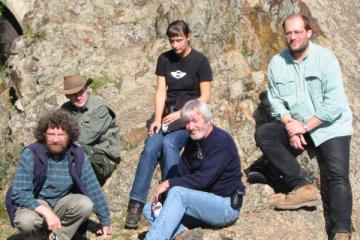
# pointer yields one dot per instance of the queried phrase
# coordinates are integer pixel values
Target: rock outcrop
(117, 43)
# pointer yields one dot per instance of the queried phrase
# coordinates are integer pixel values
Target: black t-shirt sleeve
(160, 66)
(205, 72)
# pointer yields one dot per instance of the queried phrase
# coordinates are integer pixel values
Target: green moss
(34, 35)
(136, 21)
(245, 53)
(98, 82)
(2, 8)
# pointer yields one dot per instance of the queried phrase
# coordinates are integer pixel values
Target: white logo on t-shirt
(178, 74)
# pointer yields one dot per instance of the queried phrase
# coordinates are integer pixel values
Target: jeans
(333, 157)
(169, 146)
(186, 207)
(73, 210)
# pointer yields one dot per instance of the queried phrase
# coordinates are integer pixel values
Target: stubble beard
(299, 51)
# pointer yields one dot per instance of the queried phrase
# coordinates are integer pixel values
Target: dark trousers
(333, 157)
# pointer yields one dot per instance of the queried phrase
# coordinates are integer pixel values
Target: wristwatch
(305, 126)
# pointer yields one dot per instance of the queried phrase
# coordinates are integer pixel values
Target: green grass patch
(98, 82)
(34, 35)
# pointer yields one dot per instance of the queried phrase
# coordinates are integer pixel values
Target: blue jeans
(186, 207)
(168, 145)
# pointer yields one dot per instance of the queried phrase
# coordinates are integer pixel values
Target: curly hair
(58, 119)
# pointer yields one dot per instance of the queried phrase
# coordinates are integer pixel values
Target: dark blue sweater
(210, 165)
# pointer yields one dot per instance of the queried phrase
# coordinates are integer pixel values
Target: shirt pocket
(287, 92)
(315, 88)
(314, 85)
(286, 88)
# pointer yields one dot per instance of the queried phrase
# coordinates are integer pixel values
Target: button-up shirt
(312, 87)
(98, 127)
(58, 184)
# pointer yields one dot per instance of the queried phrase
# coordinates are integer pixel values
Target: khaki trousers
(72, 210)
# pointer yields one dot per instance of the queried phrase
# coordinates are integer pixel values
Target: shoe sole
(313, 203)
(129, 226)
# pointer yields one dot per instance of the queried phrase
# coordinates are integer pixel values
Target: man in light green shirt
(99, 133)
(307, 97)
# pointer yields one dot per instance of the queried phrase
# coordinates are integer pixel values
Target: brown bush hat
(74, 84)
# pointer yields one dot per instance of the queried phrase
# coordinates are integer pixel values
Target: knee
(153, 145)
(170, 143)
(83, 206)
(27, 221)
(176, 191)
(265, 131)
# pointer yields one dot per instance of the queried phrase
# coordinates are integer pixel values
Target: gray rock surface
(117, 43)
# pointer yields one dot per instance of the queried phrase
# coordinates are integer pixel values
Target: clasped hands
(296, 131)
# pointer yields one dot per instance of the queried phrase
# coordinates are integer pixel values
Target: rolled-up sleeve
(334, 99)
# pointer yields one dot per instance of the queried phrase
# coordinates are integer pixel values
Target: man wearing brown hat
(99, 132)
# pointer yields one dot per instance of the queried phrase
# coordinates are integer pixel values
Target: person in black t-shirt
(182, 74)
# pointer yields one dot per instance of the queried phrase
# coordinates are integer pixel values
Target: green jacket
(98, 127)
(313, 87)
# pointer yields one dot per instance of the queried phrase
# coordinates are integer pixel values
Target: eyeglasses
(295, 33)
(56, 135)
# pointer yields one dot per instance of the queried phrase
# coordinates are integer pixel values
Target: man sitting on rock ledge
(55, 189)
(98, 129)
(307, 96)
(207, 190)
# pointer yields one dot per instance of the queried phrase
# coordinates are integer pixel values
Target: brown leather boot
(305, 196)
(342, 236)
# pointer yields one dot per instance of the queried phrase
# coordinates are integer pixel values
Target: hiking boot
(184, 235)
(135, 209)
(342, 236)
(305, 196)
(256, 177)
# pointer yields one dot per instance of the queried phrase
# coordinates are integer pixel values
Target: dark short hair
(58, 119)
(176, 28)
(304, 18)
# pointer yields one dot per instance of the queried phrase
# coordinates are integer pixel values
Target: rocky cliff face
(117, 44)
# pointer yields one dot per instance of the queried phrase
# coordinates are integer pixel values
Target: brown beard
(56, 149)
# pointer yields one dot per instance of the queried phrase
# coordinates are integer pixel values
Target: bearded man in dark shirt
(207, 188)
